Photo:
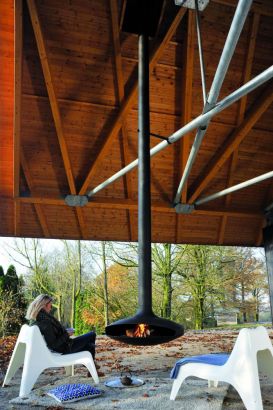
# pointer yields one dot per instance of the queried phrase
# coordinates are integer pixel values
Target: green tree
(200, 269)
(10, 313)
(11, 280)
(13, 304)
(249, 283)
(2, 277)
(166, 259)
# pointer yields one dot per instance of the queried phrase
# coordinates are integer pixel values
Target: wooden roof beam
(120, 94)
(156, 206)
(51, 91)
(187, 79)
(18, 157)
(37, 28)
(232, 142)
(18, 39)
(130, 99)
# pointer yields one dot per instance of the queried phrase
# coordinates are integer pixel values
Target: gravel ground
(147, 362)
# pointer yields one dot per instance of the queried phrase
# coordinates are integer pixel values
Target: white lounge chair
(252, 352)
(32, 352)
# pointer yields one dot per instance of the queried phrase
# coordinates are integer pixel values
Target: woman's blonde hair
(37, 304)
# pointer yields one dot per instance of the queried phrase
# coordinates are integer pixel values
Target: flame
(141, 330)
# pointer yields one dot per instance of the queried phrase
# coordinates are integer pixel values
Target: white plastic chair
(252, 351)
(32, 351)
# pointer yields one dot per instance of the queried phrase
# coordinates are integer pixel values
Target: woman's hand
(70, 331)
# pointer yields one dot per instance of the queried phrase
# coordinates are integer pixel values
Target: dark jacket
(55, 335)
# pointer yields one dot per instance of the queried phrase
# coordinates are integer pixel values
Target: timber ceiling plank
(130, 99)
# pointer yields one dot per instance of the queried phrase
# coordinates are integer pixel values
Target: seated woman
(56, 336)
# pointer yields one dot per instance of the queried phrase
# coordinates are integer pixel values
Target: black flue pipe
(162, 330)
(144, 186)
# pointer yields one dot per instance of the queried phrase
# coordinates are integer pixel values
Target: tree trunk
(73, 295)
(243, 304)
(198, 313)
(167, 297)
(257, 312)
(76, 289)
(59, 307)
(105, 287)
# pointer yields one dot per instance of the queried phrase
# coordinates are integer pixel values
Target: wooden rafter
(17, 110)
(130, 99)
(232, 142)
(187, 79)
(242, 108)
(37, 207)
(18, 157)
(37, 28)
(120, 93)
(157, 206)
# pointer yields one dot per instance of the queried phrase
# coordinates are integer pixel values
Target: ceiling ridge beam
(231, 143)
(130, 99)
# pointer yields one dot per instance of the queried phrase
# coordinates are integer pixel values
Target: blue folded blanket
(218, 359)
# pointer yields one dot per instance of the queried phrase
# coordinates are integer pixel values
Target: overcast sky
(48, 245)
(6, 260)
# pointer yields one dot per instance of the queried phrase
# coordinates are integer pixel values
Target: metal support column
(144, 190)
(268, 247)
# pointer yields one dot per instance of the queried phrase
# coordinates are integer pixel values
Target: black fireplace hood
(160, 330)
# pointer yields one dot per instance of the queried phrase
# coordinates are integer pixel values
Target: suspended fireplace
(145, 328)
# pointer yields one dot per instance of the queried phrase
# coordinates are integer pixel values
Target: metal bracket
(76, 200)
(190, 4)
(184, 208)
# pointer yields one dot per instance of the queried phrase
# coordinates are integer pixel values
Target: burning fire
(141, 330)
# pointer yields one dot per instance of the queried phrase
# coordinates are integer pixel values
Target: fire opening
(140, 330)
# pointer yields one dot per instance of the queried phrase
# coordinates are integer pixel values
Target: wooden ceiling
(69, 121)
